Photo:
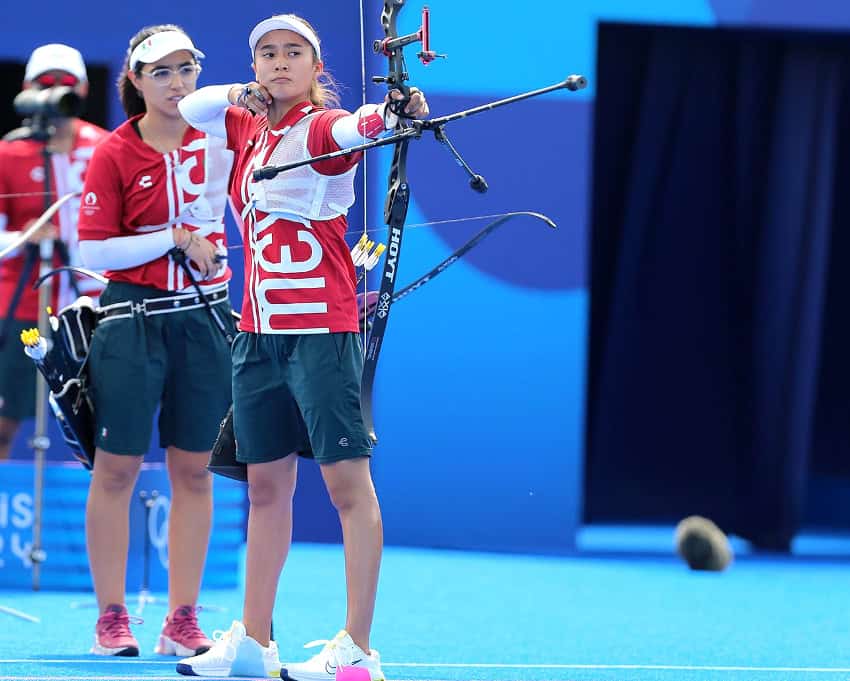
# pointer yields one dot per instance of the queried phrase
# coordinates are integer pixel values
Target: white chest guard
(302, 191)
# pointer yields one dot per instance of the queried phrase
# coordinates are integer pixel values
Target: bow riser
(392, 47)
(395, 209)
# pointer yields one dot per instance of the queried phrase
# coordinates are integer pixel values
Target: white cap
(55, 57)
(159, 45)
(286, 22)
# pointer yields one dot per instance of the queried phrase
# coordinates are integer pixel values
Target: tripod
(144, 597)
(42, 131)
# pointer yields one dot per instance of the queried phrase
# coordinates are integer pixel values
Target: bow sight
(423, 35)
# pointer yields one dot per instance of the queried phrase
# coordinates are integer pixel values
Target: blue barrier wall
(479, 397)
(63, 530)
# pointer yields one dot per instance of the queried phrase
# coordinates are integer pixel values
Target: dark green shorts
(179, 362)
(17, 374)
(298, 393)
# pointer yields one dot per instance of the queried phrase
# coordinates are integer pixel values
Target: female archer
(297, 361)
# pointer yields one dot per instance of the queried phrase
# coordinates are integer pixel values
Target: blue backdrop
(479, 402)
(63, 530)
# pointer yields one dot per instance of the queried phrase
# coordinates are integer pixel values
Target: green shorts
(298, 393)
(17, 374)
(179, 362)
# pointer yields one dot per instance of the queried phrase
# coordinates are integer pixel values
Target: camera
(54, 102)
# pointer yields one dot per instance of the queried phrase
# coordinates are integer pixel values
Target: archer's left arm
(372, 121)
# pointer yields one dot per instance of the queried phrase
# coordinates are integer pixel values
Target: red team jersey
(301, 278)
(133, 189)
(22, 200)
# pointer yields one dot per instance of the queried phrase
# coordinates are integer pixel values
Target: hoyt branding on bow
(392, 255)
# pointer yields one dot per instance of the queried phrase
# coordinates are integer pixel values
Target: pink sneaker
(112, 635)
(181, 634)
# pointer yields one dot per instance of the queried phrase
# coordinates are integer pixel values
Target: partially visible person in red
(22, 201)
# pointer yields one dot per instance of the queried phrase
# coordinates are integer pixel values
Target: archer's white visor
(286, 22)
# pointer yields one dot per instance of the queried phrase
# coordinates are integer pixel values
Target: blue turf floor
(467, 616)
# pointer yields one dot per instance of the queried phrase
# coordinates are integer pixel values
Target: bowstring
(415, 225)
(365, 191)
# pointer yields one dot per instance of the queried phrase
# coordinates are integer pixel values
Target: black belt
(155, 306)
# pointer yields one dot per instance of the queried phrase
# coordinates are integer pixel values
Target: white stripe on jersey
(180, 204)
(169, 186)
(169, 192)
(180, 199)
(251, 220)
(291, 308)
(305, 332)
(292, 284)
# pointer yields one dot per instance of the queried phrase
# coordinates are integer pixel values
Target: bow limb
(398, 197)
(42, 220)
(462, 250)
(370, 303)
(70, 268)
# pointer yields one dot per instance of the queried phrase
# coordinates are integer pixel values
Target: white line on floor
(470, 665)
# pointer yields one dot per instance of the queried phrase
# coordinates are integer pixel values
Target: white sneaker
(233, 653)
(340, 652)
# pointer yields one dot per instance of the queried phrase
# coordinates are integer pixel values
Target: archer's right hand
(251, 96)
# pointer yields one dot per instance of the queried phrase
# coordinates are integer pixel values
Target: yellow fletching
(30, 337)
(380, 248)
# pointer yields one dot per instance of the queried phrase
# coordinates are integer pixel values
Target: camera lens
(55, 102)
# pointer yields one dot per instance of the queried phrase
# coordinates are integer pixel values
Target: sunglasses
(49, 80)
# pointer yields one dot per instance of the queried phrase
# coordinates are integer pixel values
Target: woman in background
(154, 185)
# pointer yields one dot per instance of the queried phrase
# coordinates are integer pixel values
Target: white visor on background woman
(159, 45)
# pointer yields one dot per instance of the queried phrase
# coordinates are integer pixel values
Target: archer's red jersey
(131, 188)
(299, 277)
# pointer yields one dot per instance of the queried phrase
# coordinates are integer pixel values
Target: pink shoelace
(185, 621)
(116, 621)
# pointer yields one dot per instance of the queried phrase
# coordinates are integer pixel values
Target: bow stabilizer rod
(572, 83)
(415, 128)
